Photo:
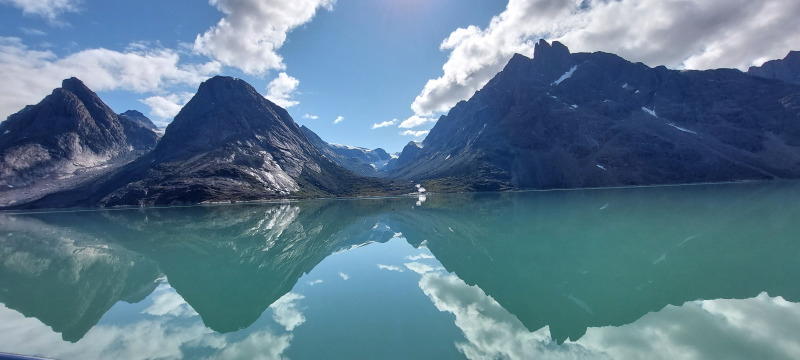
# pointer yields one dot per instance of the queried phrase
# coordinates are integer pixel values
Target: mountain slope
(563, 120)
(228, 143)
(364, 162)
(69, 137)
(787, 69)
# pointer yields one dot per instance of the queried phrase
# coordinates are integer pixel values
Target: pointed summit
(67, 138)
(224, 108)
(548, 55)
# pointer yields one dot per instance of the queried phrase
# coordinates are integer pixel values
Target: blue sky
(385, 69)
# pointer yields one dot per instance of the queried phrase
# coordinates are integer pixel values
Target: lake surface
(689, 272)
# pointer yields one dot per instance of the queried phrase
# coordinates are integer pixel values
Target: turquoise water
(669, 272)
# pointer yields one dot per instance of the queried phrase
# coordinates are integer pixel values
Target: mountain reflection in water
(620, 273)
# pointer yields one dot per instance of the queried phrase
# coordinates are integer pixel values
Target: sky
(369, 73)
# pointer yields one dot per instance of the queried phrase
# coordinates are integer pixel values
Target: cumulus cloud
(29, 75)
(414, 121)
(252, 31)
(286, 313)
(338, 119)
(384, 124)
(309, 116)
(678, 34)
(166, 107)
(48, 9)
(415, 133)
(281, 89)
(344, 276)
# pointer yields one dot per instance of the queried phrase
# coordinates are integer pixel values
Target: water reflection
(627, 273)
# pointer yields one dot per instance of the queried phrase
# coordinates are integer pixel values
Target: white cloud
(285, 312)
(252, 31)
(166, 301)
(315, 282)
(48, 9)
(262, 345)
(419, 268)
(422, 255)
(491, 332)
(414, 121)
(384, 124)
(32, 31)
(338, 119)
(166, 107)
(29, 75)
(280, 90)
(678, 34)
(390, 267)
(344, 276)
(309, 116)
(415, 133)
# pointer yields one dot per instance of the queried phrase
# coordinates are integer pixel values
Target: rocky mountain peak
(138, 118)
(786, 69)
(555, 53)
(224, 108)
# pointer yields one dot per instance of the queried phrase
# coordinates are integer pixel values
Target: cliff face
(787, 69)
(563, 120)
(67, 139)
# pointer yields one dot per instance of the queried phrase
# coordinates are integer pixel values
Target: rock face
(787, 69)
(68, 138)
(139, 118)
(407, 155)
(364, 162)
(228, 143)
(563, 120)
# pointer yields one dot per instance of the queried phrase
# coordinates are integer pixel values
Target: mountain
(409, 152)
(228, 143)
(563, 120)
(787, 69)
(70, 137)
(364, 162)
(139, 118)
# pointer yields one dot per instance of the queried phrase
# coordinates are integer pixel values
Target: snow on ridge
(350, 147)
(601, 167)
(682, 129)
(566, 75)
(651, 112)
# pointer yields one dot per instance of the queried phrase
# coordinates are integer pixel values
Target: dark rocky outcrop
(139, 118)
(228, 143)
(564, 120)
(67, 139)
(364, 162)
(787, 69)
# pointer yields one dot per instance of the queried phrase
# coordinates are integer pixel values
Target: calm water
(647, 273)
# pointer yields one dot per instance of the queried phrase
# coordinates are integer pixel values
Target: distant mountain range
(558, 120)
(563, 120)
(228, 143)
